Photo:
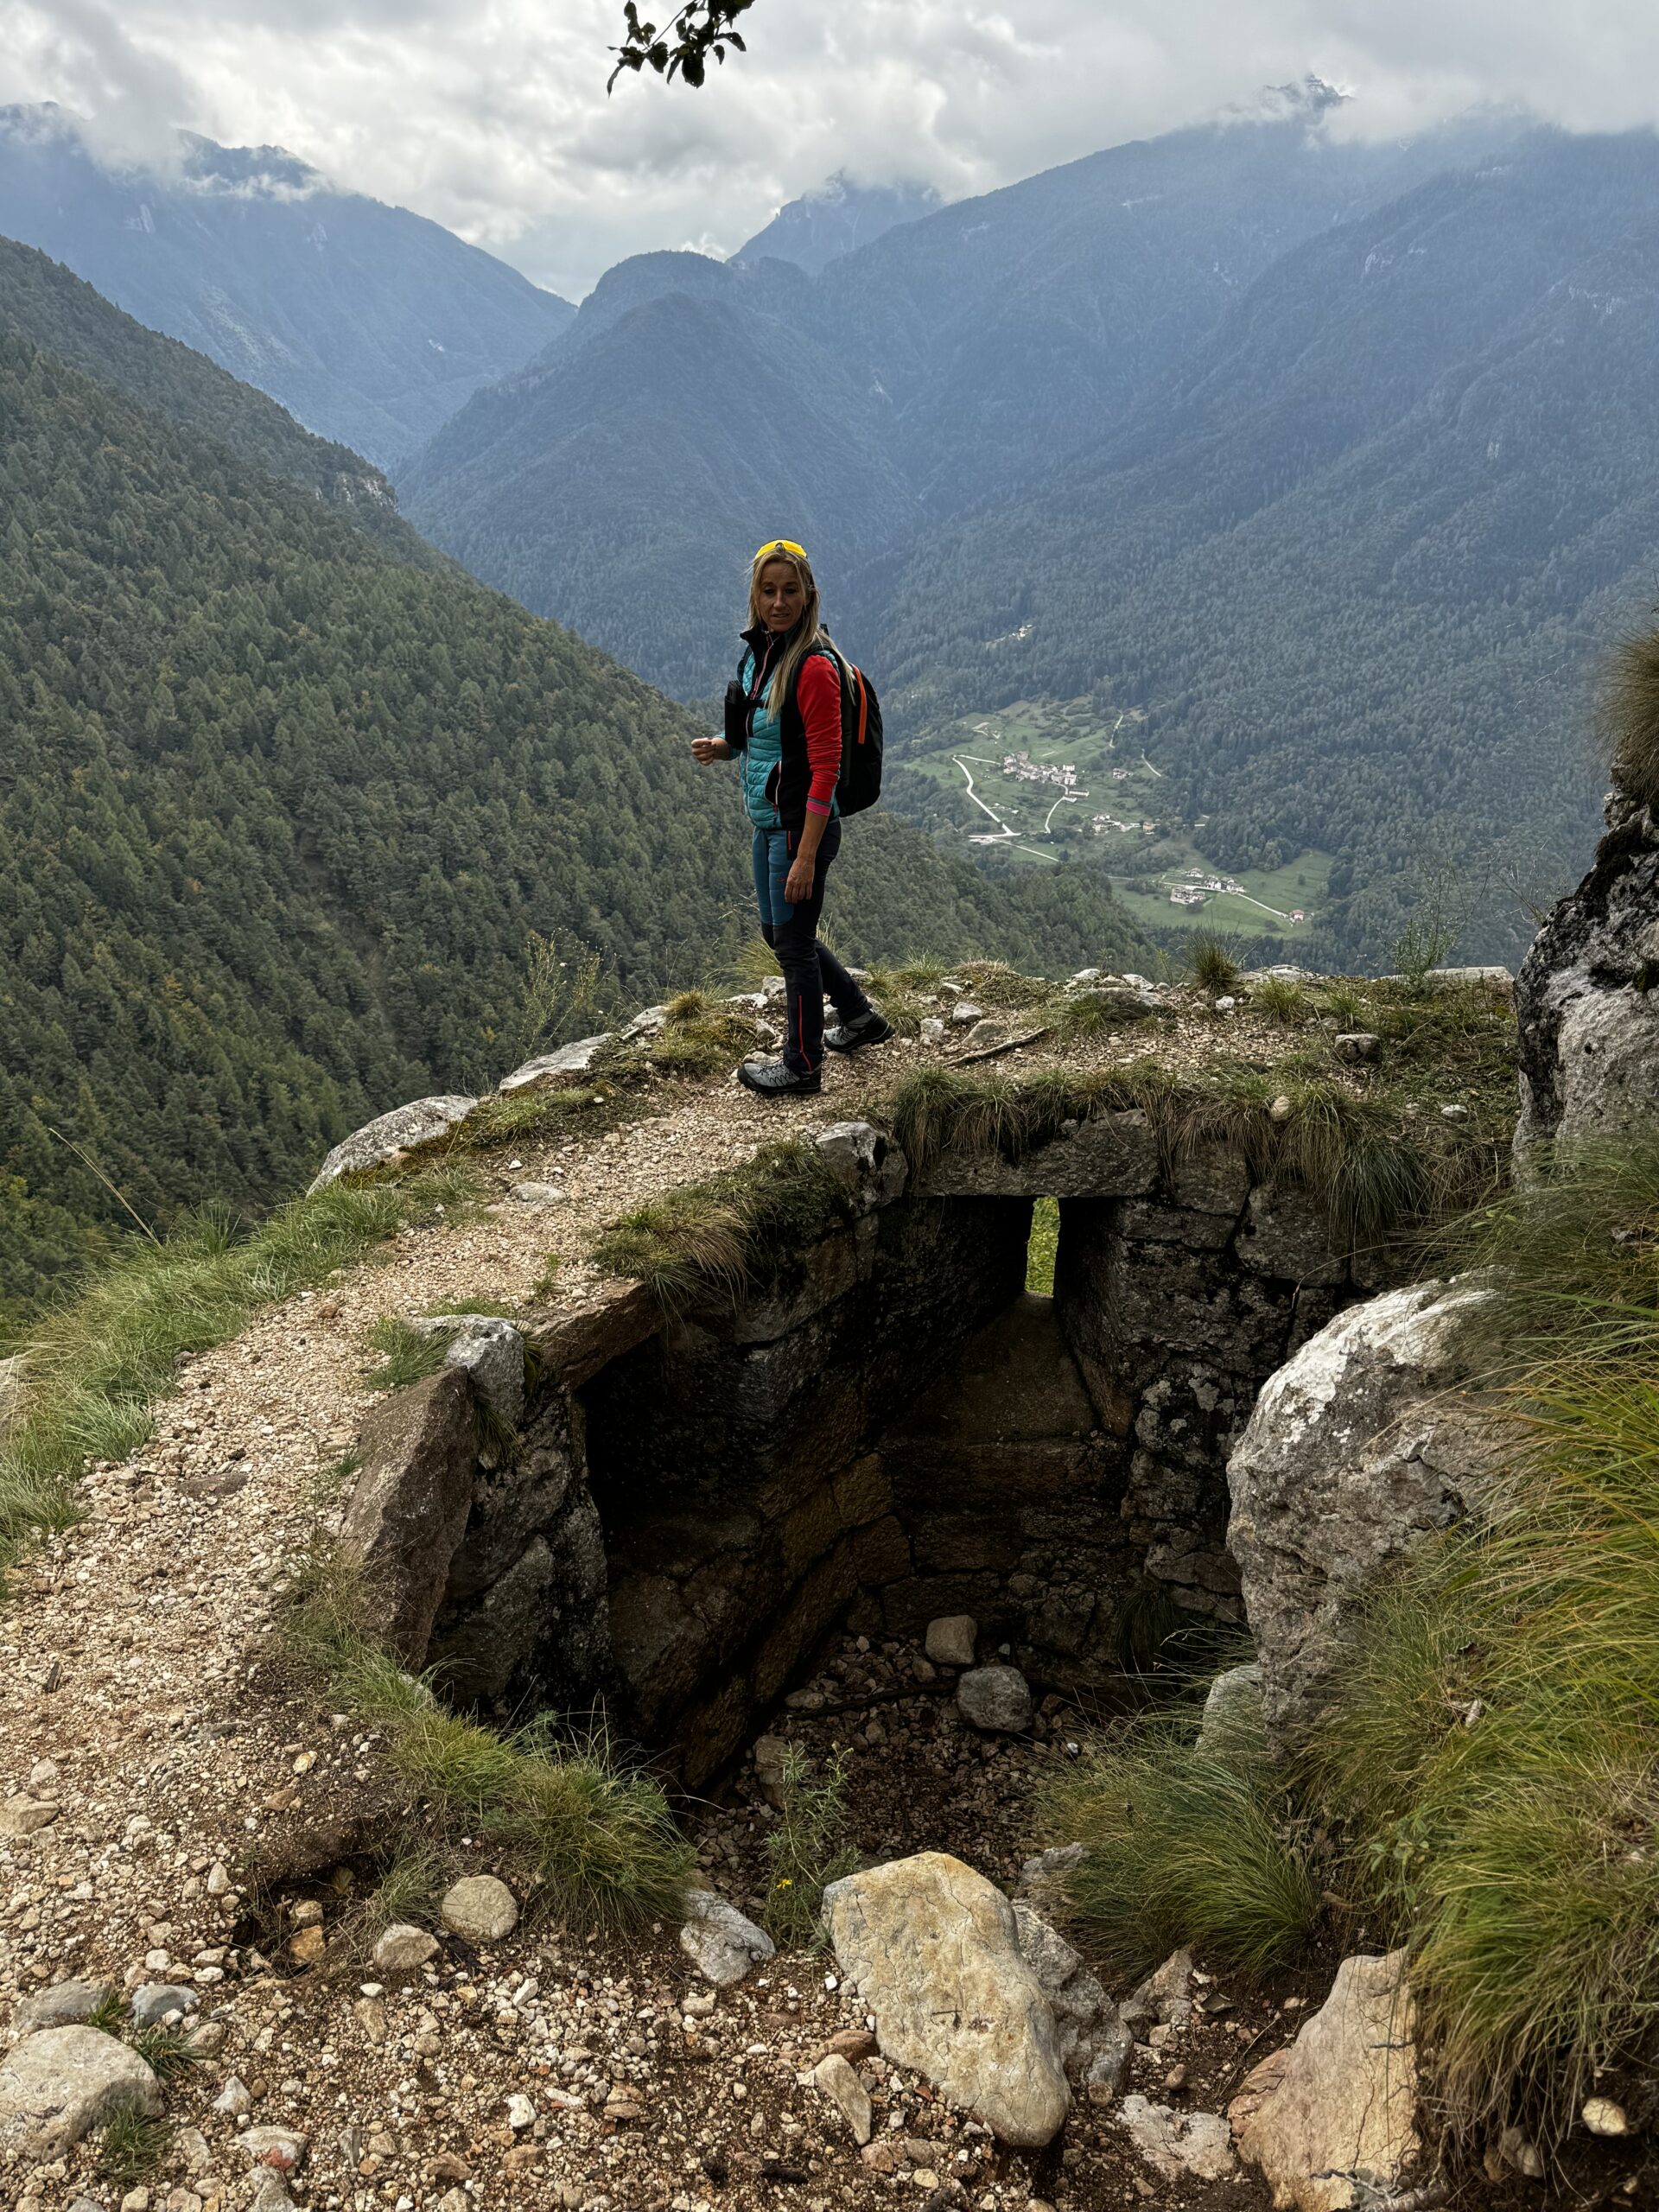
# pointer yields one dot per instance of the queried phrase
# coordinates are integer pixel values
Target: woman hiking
(783, 718)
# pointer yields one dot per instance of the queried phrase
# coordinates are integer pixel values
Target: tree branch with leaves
(680, 47)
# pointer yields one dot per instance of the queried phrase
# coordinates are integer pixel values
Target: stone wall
(891, 1432)
(743, 1509)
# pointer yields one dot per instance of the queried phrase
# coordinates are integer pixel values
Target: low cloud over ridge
(497, 123)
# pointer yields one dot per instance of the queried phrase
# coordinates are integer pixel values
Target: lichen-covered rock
(1232, 1707)
(555, 1071)
(24, 1815)
(835, 2077)
(1179, 2145)
(1332, 2120)
(409, 1508)
(386, 1140)
(1357, 1446)
(490, 1350)
(994, 1698)
(401, 1949)
(865, 1162)
(64, 2006)
(933, 1950)
(480, 1907)
(58, 2085)
(1587, 1013)
(723, 1944)
(1095, 2043)
(951, 1639)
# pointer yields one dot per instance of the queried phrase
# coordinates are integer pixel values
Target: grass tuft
(597, 1835)
(165, 2050)
(109, 2015)
(739, 1230)
(409, 1888)
(1185, 1845)
(132, 2146)
(1630, 718)
(1213, 967)
(1282, 1000)
(994, 983)
(700, 1039)
(811, 1846)
(1086, 1014)
(407, 1354)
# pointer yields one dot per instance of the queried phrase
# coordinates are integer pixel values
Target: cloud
(494, 119)
(130, 96)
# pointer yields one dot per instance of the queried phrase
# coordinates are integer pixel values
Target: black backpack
(860, 741)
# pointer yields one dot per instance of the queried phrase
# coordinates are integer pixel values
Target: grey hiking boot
(773, 1079)
(871, 1028)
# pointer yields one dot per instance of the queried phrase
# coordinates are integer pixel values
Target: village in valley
(1044, 779)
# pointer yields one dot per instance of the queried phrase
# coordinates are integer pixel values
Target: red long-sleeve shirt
(818, 694)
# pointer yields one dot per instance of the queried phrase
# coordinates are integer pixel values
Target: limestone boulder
(390, 1138)
(409, 1508)
(1330, 2120)
(1095, 2041)
(933, 1949)
(1179, 2145)
(725, 1945)
(570, 1063)
(1587, 1016)
(65, 2004)
(865, 1162)
(1358, 1446)
(58, 2085)
(490, 1350)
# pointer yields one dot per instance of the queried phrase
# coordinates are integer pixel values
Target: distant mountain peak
(837, 218)
(250, 172)
(1310, 101)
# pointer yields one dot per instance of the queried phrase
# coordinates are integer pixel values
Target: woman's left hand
(797, 884)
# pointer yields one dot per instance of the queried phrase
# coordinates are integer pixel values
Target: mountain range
(1328, 464)
(370, 324)
(288, 802)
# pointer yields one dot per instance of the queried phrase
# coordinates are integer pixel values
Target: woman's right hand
(705, 749)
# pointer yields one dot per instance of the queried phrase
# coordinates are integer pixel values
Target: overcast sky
(491, 116)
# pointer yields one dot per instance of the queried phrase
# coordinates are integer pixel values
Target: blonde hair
(809, 634)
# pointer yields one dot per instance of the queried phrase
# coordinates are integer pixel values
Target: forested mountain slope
(1360, 561)
(626, 476)
(371, 324)
(44, 302)
(953, 356)
(279, 813)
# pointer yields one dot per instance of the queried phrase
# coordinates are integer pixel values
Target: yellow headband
(779, 545)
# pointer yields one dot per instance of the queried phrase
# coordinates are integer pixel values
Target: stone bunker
(894, 1431)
